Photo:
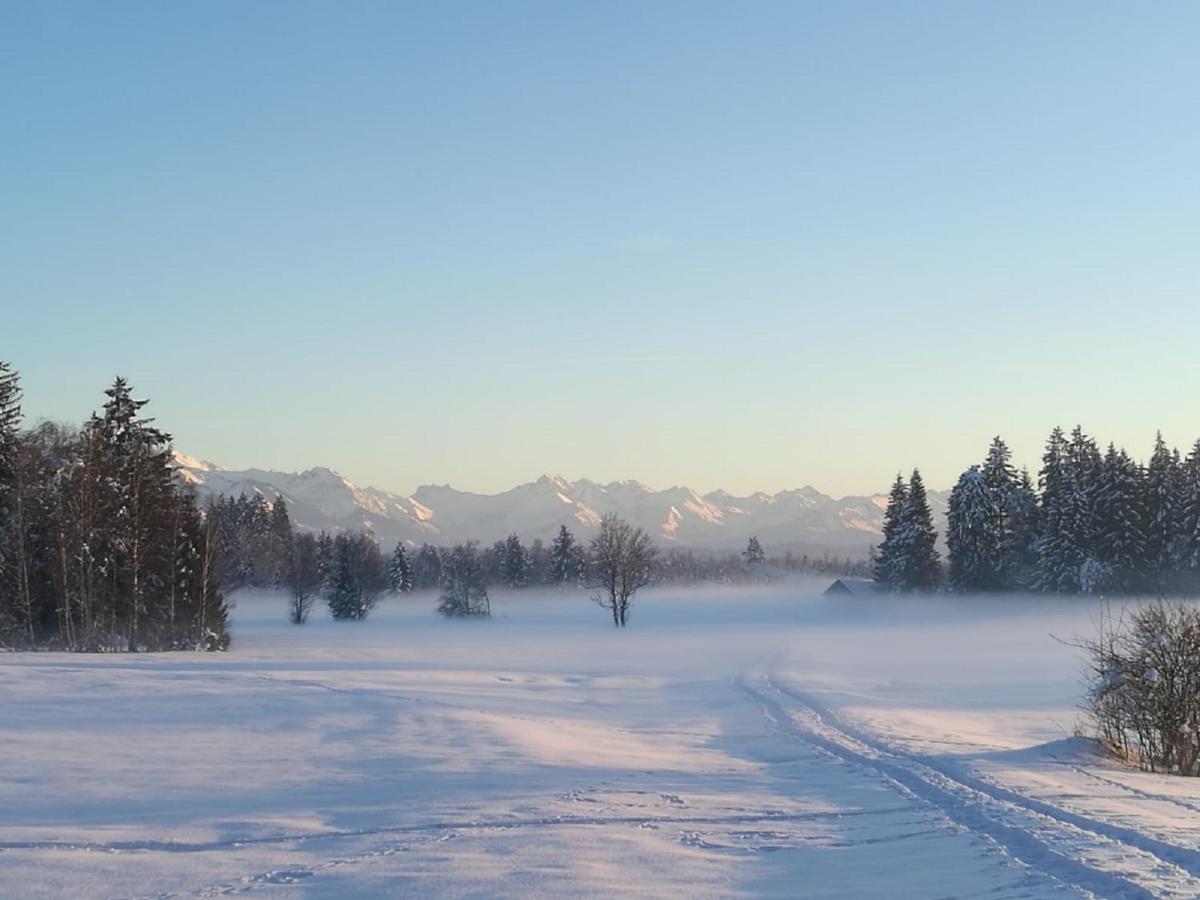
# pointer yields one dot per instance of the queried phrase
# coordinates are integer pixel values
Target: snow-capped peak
(320, 498)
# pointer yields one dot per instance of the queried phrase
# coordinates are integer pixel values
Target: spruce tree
(514, 563)
(1018, 550)
(973, 533)
(754, 554)
(10, 533)
(888, 562)
(1002, 482)
(138, 483)
(1058, 559)
(1083, 461)
(538, 566)
(1189, 520)
(280, 539)
(464, 593)
(1162, 515)
(325, 558)
(566, 558)
(920, 563)
(400, 575)
(1119, 519)
(343, 593)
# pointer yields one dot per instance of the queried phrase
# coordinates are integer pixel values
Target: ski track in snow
(1095, 857)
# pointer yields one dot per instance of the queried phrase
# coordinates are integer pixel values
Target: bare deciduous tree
(302, 575)
(622, 560)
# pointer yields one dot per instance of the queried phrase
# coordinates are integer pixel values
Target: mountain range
(802, 520)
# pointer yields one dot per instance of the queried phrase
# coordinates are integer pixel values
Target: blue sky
(747, 246)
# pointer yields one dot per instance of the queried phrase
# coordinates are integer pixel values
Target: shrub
(1144, 685)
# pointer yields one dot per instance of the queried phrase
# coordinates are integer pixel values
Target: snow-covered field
(726, 744)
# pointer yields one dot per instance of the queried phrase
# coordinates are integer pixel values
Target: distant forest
(1098, 522)
(103, 548)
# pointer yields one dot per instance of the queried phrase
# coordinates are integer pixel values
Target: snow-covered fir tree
(343, 593)
(754, 554)
(514, 563)
(10, 532)
(464, 591)
(918, 560)
(1084, 464)
(279, 537)
(138, 490)
(1119, 523)
(325, 558)
(887, 568)
(974, 532)
(1004, 485)
(1018, 549)
(400, 575)
(1058, 554)
(1162, 513)
(566, 558)
(1189, 520)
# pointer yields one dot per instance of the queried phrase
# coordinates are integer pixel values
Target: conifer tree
(400, 576)
(919, 561)
(754, 554)
(1119, 519)
(10, 533)
(1189, 520)
(566, 558)
(1058, 557)
(464, 593)
(343, 593)
(973, 533)
(1162, 514)
(279, 539)
(538, 563)
(325, 558)
(514, 563)
(999, 474)
(1083, 459)
(1003, 484)
(1018, 549)
(138, 482)
(888, 568)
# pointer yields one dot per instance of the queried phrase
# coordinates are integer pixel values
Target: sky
(741, 246)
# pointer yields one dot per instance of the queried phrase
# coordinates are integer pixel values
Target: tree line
(102, 548)
(1096, 522)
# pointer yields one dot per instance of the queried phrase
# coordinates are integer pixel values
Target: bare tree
(302, 576)
(622, 559)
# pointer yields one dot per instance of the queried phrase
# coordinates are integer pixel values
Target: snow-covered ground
(726, 744)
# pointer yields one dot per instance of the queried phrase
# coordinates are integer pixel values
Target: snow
(769, 743)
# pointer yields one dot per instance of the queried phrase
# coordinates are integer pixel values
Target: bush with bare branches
(1144, 685)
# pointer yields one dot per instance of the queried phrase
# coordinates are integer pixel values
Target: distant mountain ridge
(803, 520)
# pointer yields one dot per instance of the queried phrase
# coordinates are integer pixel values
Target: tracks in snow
(1091, 856)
